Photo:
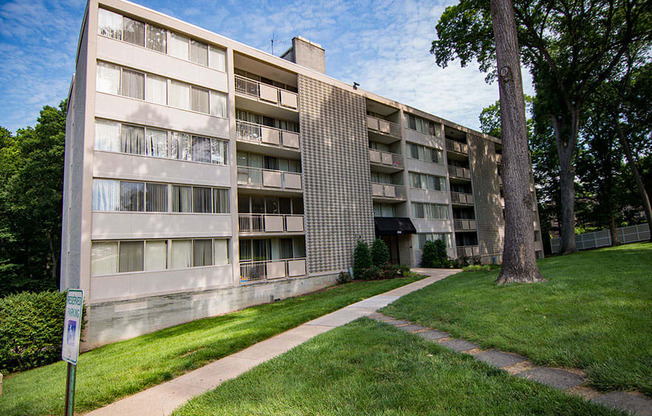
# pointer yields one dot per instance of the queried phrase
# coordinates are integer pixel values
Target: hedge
(31, 330)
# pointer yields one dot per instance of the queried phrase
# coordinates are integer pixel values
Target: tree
(570, 47)
(379, 253)
(361, 259)
(434, 254)
(519, 260)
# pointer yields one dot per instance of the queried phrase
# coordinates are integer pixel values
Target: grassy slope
(124, 368)
(370, 368)
(595, 313)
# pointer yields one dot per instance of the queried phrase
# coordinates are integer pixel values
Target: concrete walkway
(164, 398)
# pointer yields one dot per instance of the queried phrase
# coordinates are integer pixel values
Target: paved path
(568, 380)
(164, 398)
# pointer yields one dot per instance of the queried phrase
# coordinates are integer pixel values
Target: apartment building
(203, 176)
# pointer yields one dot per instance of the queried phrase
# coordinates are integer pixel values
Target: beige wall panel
(118, 225)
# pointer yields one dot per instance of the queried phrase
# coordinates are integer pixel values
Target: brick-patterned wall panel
(336, 177)
(486, 194)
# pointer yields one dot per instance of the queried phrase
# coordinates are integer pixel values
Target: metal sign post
(70, 344)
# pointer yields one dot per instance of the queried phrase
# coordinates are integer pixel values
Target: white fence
(602, 238)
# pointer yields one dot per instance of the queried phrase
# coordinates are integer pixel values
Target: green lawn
(595, 313)
(371, 368)
(113, 371)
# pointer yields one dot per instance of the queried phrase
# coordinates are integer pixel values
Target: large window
(134, 32)
(181, 198)
(384, 210)
(421, 125)
(445, 237)
(108, 78)
(156, 199)
(429, 211)
(109, 24)
(427, 154)
(132, 196)
(429, 182)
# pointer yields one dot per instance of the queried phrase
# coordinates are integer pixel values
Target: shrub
(379, 253)
(434, 254)
(372, 273)
(31, 330)
(403, 270)
(344, 277)
(477, 268)
(361, 259)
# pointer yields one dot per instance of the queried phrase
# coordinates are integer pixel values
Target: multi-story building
(203, 175)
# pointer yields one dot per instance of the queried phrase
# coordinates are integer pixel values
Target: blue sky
(383, 45)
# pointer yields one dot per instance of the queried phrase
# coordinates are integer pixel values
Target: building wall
(336, 176)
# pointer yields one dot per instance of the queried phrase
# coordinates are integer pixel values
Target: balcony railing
(464, 224)
(383, 190)
(461, 198)
(383, 126)
(458, 147)
(265, 93)
(459, 172)
(270, 223)
(469, 251)
(266, 135)
(385, 158)
(271, 269)
(266, 178)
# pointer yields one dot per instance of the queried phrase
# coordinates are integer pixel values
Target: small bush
(434, 254)
(344, 277)
(477, 268)
(371, 273)
(403, 270)
(31, 330)
(379, 253)
(361, 259)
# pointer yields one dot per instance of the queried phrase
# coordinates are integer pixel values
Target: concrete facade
(203, 175)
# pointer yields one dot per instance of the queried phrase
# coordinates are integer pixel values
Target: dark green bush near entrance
(31, 330)
(344, 277)
(434, 254)
(361, 259)
(379, 253)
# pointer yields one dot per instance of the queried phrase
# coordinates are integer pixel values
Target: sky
(384, 45)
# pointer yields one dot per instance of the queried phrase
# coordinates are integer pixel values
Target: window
(180, 146)
(445, 237)
(429, 211)
(104, 258)
(218, 104)
(198, 52)
(156, 39)
(156, 198)
(157, 90)
(219, 151)
(430, 182)
(421, 125)
(201, 149)
(106, 195)
(181, 256)
(384, 210)
(132, 140)
(109, 24)
(178, 46)
(108, 78)
(156, 142)
(134, 32)
(133, 84)
(221, 248)
(180, 95)
(220, 201)
(199, 100)
(202, 253)
(156, 255)
(217, 58)
(181, 198)
(107, 135)
(132, 196)
(131, 256)
(427, 154)
(201, 199)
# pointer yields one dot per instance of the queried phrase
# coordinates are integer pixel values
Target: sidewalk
(164, 398)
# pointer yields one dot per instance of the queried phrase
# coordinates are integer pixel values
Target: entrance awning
(394, 226)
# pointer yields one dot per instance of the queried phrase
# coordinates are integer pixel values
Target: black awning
(394, 226)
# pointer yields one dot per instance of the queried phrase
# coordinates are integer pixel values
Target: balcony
(271, 269)
(388, 191)
(266, 135)
(265, 93)
(462, 225)
(457, 147)
(459, 172)
(268, 179)
(468, 251)
(383, 127)
(386, 161)
(270, 223)
(461, 198)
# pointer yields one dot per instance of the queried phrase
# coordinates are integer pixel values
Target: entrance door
(392, 244)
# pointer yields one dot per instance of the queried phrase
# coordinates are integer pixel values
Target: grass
(594, 313)
(371, 368)
(123, 368)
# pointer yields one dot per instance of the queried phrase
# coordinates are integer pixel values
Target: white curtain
(220, 201)
(156, 91)
(109, 24)
(275, 248)
(156, 142)
(218, 104)
(181, 254)
(221, 252)
(107, 135)
(133, 84)
(104, 258)
(156, 255)
(201, 149)
(156, 39)
(219, 150)
(180, 95)
(106, 195)
(217, 58)
(132, 140)
(199, 100)
(178, 46)
(199, 52)
(108, 78)
(180, 146)
(202, 253)
(131, 256)
(181, 198)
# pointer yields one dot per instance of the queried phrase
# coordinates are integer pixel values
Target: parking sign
(72, 326)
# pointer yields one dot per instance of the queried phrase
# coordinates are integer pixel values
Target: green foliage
(31, 330)
(361, 259)
(479, 268)
(434, 254)
(344, 277)
(379, 253)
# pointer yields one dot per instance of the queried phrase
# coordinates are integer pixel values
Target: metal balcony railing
(461, 198)
(458, 147)
(385, 158)
(383, 190)
(267, 178)
(383, 126)
(469, 251)
(459, 172)
(272, 269)
(266, 135)
(460, 224)
(265, 93)
(270, 223)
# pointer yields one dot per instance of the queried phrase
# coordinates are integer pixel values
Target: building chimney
(307, 54)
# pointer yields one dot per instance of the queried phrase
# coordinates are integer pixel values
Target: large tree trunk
(615, 241)
(637, 176)
(519, 260)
